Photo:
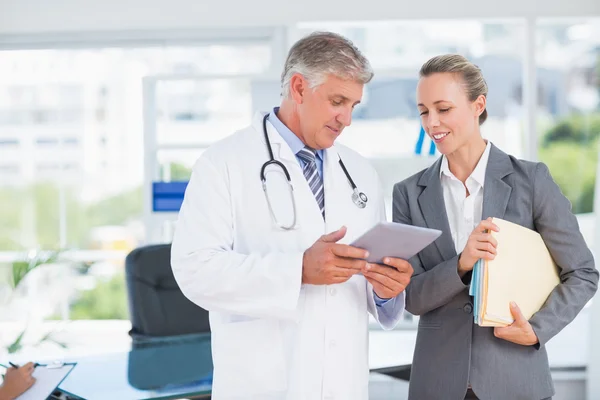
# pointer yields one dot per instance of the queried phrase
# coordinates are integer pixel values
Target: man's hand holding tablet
(391, 244)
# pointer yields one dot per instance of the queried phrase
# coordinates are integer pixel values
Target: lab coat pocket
(248, 357)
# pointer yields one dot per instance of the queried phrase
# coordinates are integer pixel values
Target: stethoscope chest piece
(359, 198)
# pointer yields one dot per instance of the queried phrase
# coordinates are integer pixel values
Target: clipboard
(47, 379)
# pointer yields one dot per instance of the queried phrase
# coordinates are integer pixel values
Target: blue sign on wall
(167, 196)
(420, 142)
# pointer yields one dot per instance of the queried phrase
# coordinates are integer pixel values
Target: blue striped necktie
(312, 176)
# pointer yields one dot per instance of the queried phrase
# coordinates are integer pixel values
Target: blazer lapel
(496, 192)
(431, 202)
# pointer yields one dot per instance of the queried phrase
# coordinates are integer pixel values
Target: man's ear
(298, 86)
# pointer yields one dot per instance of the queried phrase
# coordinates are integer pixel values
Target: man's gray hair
(325, 53)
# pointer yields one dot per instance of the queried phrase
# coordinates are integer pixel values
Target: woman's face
(447, 114)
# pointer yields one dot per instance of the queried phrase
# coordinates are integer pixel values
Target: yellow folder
(523, 271)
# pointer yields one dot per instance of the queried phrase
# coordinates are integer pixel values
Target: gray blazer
(451, 351)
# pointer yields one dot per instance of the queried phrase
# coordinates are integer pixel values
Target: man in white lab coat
(288, 297)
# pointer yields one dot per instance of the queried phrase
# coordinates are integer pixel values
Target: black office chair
(157, 308)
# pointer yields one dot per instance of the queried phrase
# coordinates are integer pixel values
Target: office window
(9, 168)
(71, 166)
(91, 199)
(47, 167)
(9, 142)
(45, 142)
(203, 110)
(45, 103)
(176, 165)
(568, 115)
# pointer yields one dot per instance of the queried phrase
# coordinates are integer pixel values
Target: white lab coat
(273, 337)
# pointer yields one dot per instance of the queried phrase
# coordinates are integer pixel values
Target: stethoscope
(358, 198)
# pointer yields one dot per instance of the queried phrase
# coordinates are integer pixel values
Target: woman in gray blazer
(473, 181)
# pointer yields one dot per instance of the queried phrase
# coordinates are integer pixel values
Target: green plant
(22, 267)
(569, 148)
(573, 168)
(19, 270)
(576, 128)
(107, 300)
(17, 344)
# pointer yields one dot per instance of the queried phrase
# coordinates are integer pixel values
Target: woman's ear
(480, 103)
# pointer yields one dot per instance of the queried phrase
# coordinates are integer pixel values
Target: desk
(169, 368)
(113, 376)
(176, 367)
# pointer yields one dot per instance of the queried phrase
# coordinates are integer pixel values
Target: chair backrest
(157, 307)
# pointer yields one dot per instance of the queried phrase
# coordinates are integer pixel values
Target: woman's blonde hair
(469, 73)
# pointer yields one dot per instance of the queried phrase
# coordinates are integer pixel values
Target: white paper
(46, 381)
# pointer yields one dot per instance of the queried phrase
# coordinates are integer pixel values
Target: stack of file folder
(523, 271)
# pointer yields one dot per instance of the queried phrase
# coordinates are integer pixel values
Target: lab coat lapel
(281, 150)
(308, 212)
(335, 187)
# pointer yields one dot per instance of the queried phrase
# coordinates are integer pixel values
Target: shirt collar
(290, 137)
(478, 173)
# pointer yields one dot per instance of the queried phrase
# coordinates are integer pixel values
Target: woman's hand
(520, 331)
(480, 245)
(17, 381)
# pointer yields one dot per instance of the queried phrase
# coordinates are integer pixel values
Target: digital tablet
(392, 239)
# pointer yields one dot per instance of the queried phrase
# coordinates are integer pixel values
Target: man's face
(326, 110)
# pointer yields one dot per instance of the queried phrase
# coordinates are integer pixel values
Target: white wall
(42, 16)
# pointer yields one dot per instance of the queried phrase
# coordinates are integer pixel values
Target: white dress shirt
(464, 213)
